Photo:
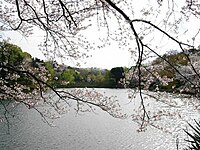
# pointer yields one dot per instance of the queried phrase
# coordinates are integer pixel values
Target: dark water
(89, 131)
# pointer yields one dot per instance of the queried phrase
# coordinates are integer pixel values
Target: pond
(93, 131)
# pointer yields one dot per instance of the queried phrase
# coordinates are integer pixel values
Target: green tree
(12, 54)
(14, 69)
(69, 76)
(50, 68)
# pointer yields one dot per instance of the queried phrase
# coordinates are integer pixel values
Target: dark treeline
(171, 73)
(57, 75)
(66, 76)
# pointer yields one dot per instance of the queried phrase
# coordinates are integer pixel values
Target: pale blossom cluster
(148, 76)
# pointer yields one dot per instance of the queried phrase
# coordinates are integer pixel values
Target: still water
(88, 131)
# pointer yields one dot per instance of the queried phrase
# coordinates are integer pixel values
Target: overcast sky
(105, 58)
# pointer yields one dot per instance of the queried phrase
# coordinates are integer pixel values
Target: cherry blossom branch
(63, 95)
(140, 47)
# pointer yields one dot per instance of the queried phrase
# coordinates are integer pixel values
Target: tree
(68, 75)
(118, 74)
(11, 54)
(12, 57)
(19, 81)
(137, 31)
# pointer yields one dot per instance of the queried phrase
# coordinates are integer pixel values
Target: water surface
(88, 131)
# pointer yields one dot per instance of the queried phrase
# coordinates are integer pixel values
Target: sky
(107, 57)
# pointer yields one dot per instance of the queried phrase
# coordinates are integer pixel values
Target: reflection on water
(88, 131)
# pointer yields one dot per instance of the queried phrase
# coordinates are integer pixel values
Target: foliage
(66, 76)
(12, 54)
(167, 71)
(175, 58)
(118, 75)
